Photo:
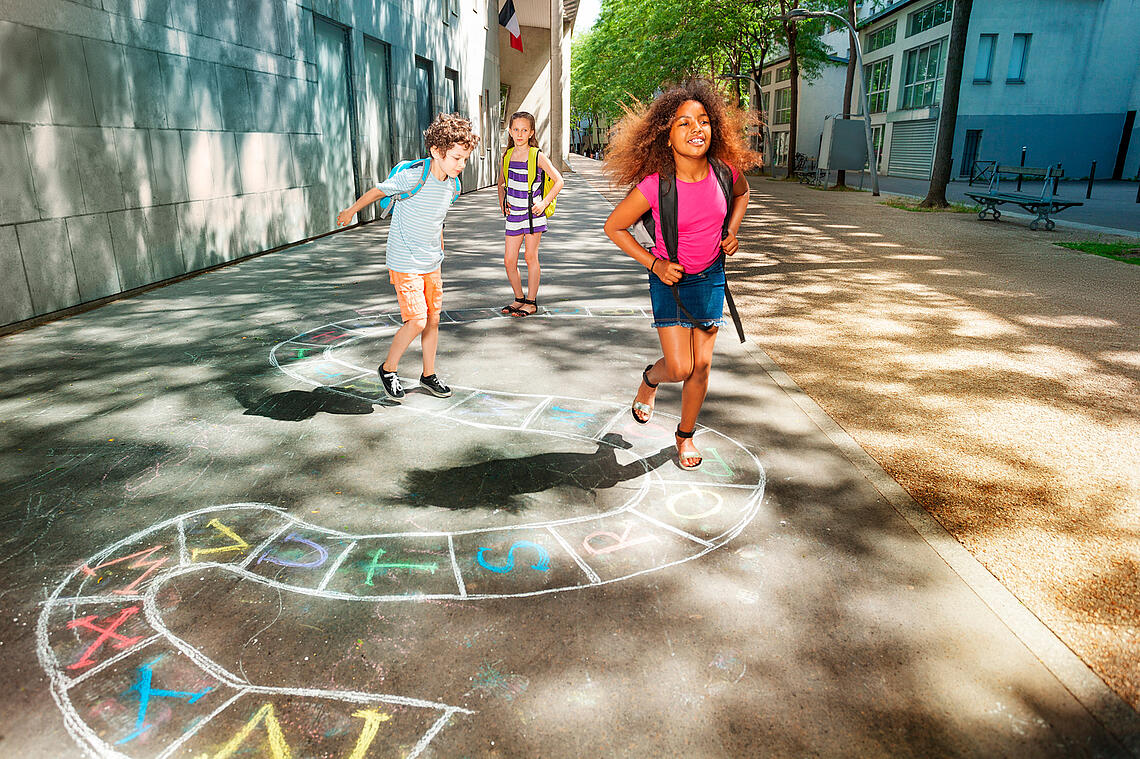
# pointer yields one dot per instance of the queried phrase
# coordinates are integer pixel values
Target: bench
(805, 169)
(1042, 204)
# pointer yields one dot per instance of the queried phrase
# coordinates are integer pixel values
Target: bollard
(1022, 163)
(1092, 174)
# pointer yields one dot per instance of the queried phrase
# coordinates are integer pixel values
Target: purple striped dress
(518, 222)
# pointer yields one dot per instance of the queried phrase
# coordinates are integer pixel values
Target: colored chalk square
(397, 566)
(574, 416)
(461, 315)
(127, 571)
(516, 562)
(495, 409)
(228, 537)
(283, 725)
(705, 511)
(299, 558)
(326, 336)
(143, 702)
(325, 372)
(84, 636)
(623, 545)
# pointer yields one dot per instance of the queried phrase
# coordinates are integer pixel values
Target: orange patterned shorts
(418, 294)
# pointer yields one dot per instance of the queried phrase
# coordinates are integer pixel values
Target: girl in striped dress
(524, 208)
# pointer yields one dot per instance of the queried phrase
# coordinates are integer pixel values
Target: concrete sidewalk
(217, 536)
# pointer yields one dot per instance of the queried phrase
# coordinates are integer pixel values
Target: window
(984, 66)
(765, 101)
(424, 89)
(783, 114)
(929, 17)
(780, 148)
(452, 94)
(878, 76)
(880, 38)
(784, 74)
(877, 144)
(1018, 58)
(450, 8)
(766, 78)
(922, 76)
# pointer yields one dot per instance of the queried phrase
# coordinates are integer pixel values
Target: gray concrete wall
(144, 139)
(528, 75)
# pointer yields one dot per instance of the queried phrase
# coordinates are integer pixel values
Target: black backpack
(667, 202)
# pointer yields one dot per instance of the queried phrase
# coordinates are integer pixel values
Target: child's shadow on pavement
(298, 405)
(498, 482)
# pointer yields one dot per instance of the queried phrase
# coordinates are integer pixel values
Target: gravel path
(995, 376)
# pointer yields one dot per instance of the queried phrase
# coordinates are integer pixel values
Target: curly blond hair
(450, 129)
(639, 142)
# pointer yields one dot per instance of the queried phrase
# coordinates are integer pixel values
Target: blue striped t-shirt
(414, 236)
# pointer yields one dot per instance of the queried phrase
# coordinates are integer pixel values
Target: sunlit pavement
(220, 540)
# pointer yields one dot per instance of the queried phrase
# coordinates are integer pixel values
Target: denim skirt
(702, 295)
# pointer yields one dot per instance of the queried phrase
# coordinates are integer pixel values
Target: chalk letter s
(541, 565)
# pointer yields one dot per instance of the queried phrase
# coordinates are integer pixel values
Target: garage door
(912, 149)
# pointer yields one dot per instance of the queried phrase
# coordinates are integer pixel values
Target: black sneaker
(391, 383)
(435, 386)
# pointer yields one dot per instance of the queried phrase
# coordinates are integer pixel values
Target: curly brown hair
(450, 129)
(639, 142)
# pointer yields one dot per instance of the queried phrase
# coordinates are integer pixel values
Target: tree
(940, 174)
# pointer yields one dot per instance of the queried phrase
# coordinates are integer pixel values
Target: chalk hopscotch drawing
(102, 630)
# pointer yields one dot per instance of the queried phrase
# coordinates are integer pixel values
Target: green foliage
(1128, 252)
(636, 46)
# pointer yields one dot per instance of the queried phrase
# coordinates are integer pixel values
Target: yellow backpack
(532, 171)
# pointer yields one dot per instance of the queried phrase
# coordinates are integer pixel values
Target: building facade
(142, 141)
(1060, 78)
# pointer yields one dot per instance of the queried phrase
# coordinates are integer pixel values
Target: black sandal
(526, 302)
(683, 457)
(645, 408)
(511, 308)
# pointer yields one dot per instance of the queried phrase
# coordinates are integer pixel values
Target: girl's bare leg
(511, 263)
(533, 270)
(687, 359)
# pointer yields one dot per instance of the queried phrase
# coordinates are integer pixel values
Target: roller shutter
(912, 149)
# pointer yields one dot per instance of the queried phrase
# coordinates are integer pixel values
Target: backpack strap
(724, 179)
(667, 208)
(531, 171)
(507, 162)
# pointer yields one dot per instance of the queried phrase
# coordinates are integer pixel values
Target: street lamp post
(798, 13)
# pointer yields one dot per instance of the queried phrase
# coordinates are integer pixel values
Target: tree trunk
(940, 175)
(794, 70)
(849, 85)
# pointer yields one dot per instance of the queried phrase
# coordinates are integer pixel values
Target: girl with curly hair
(684, 137)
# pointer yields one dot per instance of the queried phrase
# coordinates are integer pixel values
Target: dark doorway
(1125, 138)
(970, 152)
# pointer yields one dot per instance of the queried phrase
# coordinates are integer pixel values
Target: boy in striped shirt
(415, 246)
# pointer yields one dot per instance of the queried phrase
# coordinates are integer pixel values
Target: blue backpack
(388, 202)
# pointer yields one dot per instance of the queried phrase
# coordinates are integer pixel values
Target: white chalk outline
(90, 741)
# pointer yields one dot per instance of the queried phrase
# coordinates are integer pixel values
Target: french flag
(510, 19)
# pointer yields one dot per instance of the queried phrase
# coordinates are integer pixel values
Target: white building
(1058, 77)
